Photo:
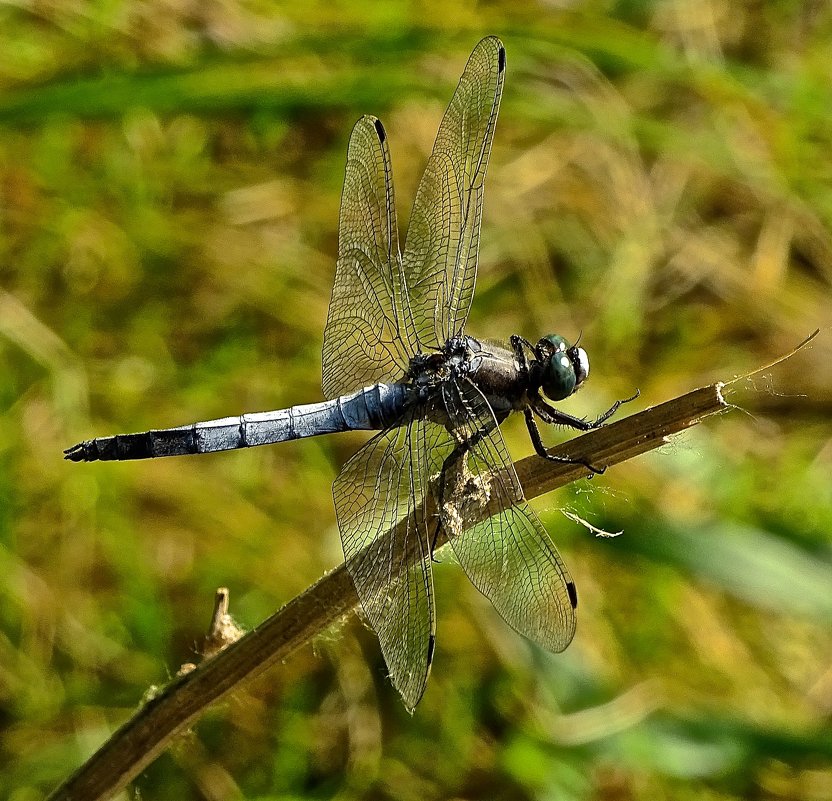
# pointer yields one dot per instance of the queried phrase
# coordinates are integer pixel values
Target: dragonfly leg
(451, 462)
(601, 419)
(434, 539)
(454, 456)
(553, 416)
(518, 344)
(540, 448)
(440, 500)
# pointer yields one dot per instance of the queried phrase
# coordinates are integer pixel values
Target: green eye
(558, 380)
(556, 341)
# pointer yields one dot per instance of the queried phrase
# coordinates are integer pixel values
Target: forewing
(364, 329)
(508, 556)
(379, 498)
(440, 258)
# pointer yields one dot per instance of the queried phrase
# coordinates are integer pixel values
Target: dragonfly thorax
(427, 370)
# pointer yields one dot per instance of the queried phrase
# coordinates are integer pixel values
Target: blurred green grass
(661, 181)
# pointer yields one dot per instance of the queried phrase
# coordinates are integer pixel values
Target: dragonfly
(397, 361)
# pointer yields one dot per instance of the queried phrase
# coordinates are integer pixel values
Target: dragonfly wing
(363, 338)
(508, 556)
(440, 258)
(386, 536)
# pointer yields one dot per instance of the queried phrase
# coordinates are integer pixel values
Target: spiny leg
(518, 344)
(553, 416)
(540, 448)
(549, 414)
(601, 419)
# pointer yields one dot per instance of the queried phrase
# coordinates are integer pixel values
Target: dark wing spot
(431, 647)
(573, 594)
(501, 59)
(382, 134)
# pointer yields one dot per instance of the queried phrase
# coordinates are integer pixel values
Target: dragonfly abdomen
(370, 408)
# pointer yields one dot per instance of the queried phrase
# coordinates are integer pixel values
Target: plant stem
(179, 704)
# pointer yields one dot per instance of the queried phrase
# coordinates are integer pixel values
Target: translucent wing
(440, 258)
(386, 538)
(363, 338)
(508, 556)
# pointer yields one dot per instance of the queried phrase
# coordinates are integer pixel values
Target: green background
(661, 181)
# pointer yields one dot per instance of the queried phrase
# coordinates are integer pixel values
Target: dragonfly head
(563, 367)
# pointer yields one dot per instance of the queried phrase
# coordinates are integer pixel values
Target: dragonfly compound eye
(580, 361)
(559, 380)
(553, 342)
